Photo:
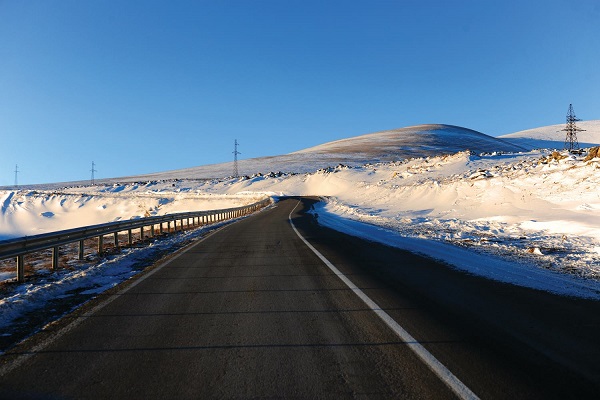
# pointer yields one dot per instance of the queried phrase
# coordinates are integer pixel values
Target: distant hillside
(414, 141)
(392, 145)
(553, 136)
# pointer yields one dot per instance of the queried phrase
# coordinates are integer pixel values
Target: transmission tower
(571, 142)
(93, 170)
(16, 176)
(236, 173)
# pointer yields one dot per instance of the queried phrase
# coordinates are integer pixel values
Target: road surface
(251, 311)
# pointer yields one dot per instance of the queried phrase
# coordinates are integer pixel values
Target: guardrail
(19, 247)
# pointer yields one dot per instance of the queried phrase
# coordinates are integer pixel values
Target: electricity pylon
(571, 142)
(236, 173)
(16, 176)
(93, 170)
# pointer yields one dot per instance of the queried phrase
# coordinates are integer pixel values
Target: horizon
(170, 85)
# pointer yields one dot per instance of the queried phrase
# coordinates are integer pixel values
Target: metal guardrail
(19, 247)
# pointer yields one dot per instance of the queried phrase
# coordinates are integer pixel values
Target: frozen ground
(535, 214)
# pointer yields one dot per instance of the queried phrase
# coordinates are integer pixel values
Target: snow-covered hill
(391, 145)
(411, 142)
(553, 137)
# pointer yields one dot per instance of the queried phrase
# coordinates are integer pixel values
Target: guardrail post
(152, 230)
(100, 245)
(80, 252)
(129, 237)
(142, 233)
(54, 258)
(20, 269)
(116, 239)
(161, 228)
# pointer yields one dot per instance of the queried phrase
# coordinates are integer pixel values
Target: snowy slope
(392, 145)
(414, 141)
(553, 137)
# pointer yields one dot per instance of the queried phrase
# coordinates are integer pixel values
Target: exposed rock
(593, 153)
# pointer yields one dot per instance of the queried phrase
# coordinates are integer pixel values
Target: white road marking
(459, 388)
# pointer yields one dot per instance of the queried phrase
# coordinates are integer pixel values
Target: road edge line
(459, 388)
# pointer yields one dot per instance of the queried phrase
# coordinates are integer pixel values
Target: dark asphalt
(251, 312)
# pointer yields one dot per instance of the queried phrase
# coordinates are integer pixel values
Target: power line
(236, 173)
(93, 170)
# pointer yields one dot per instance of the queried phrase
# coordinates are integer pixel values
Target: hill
(391, 145)
(553, 136)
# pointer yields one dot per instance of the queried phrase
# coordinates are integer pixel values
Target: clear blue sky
(147, 86)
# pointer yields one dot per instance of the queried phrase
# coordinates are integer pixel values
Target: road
(251, 311)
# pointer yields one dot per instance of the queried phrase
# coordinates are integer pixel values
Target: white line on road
(459, 388)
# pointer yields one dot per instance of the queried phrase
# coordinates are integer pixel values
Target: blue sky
(147, 86)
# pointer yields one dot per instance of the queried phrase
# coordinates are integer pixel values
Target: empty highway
(251, 311)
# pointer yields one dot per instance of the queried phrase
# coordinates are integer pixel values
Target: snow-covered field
(527, 217)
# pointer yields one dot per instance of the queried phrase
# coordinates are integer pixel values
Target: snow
(30, 212)
(553, 137)
(524, 217)
(475, 263)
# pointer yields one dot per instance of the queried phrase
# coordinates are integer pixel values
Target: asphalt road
(251, 312)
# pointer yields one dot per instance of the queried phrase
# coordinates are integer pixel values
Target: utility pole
(16, 176)
(93, 170)
(236, 173)
(571, 142)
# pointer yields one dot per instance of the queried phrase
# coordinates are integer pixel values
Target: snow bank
(528, 207)
(31, 212)
(481, 264)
